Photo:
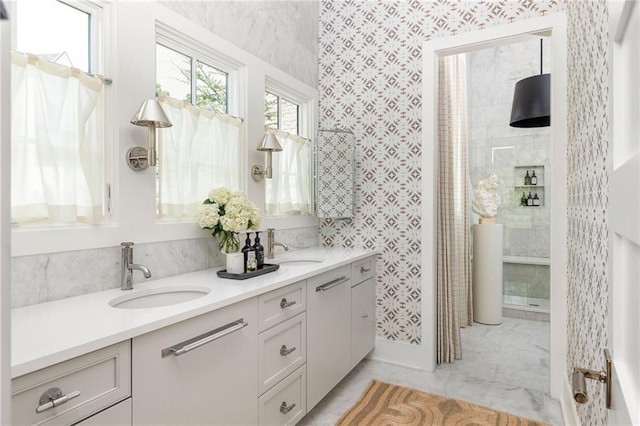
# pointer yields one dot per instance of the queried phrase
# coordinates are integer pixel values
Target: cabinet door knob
(284, 351)
(284, 408)
(285, 304)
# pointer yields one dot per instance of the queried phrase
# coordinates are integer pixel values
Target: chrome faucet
(128, 266)
(271, 244)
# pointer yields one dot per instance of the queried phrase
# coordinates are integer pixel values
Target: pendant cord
(540, 56)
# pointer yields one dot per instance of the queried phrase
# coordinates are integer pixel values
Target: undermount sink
(299, 262)
(155, 297)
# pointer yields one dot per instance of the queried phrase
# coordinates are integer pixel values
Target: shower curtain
(454, 299)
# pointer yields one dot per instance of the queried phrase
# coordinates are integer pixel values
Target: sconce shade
(531, 105)
(151, 114)
(269, 143)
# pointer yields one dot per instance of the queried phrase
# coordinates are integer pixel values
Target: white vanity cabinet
(264, 359)
(363, 309)
(199, 371)
(328, 331)
(68, 392)
(282, 355)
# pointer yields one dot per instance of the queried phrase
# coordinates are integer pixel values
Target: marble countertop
(52, 332)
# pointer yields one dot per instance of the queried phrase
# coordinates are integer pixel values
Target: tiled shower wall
(496, 147)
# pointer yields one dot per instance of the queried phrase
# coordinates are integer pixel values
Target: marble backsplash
(53, 276)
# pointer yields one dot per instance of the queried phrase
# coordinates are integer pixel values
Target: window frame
(306, 128)
(198, 51)
(182, 43)
(102, 59)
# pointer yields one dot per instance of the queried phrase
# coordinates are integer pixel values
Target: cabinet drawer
(281, 350)
(279, 305)
(285, 403)
(102, 378)
(363, 270)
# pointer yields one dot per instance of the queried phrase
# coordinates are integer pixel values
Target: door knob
(579, 384)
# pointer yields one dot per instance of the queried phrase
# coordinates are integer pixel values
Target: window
(204, 147)
(187, 78)
(58, 143)
(290, 189)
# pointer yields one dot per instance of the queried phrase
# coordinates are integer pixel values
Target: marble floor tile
(505, 367)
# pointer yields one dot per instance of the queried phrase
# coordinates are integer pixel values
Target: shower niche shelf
(519, 173)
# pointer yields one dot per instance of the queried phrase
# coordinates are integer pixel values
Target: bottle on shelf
(246, 250)
(527, 179)
(534, 178)
(536, 200)
(259, 249)
(523, 200)
(529, 200)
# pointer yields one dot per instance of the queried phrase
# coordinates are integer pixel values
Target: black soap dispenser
(246, 249)
(259, 251)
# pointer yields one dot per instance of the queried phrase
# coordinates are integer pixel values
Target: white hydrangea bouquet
(228, 213)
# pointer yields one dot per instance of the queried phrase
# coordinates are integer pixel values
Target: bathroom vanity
(259, 351)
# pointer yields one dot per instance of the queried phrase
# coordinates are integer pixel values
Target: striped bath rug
(386, 404)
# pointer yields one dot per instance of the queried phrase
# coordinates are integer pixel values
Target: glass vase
(229, 242)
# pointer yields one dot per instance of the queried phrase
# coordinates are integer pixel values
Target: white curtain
(57, 143)
(200, 152)
(290, 191)
(454, 298)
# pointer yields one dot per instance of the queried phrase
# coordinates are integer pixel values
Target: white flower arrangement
(227, 213)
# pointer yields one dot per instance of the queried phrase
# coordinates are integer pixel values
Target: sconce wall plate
(257, 173)
(137, 158)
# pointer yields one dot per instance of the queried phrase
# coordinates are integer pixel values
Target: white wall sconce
(269, 144)
(150, 115)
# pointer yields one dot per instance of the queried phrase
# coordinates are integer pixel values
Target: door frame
(555, 27)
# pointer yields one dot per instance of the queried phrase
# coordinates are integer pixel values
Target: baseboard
(568, 405)
(400, 353)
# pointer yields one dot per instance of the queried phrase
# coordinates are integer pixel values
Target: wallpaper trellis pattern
(587, 189)
(370, 76)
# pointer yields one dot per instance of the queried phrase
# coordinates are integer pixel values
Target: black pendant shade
(531, 102)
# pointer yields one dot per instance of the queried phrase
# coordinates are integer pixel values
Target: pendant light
(531, 100)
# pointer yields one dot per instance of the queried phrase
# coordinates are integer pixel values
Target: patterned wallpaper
(587, 189)
(370, 82)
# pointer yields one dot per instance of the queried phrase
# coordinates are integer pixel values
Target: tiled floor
(504, 367)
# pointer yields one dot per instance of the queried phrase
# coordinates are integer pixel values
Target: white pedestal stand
(487, 273)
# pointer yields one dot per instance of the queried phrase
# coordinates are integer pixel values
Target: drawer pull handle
(363, 269)
(365, 316)
(203, 339)
(284, 351)
(285, 304)
(332, 284)
(53, 397)
(284, 408)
